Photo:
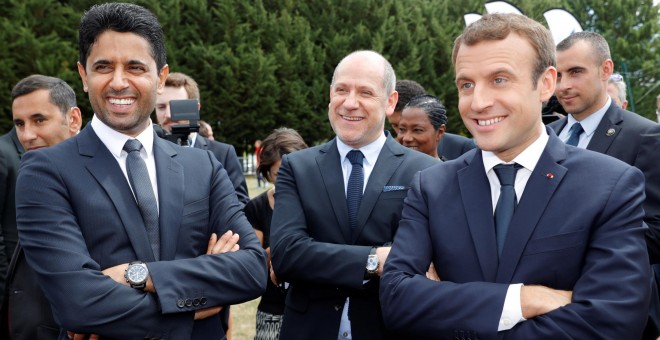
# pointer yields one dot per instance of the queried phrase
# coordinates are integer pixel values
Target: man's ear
(83, 76)
(162, 77)
(548, 83)
(75, 120)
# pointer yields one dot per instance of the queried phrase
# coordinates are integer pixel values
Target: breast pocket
(556, 243)
(195, 224)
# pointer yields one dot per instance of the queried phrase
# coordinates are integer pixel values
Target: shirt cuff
(511, 311)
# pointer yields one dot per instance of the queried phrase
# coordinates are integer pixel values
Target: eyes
(131, 68)
(365, 92)
(465, 86)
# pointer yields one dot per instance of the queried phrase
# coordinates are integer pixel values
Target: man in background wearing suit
(10, 157)
(108, 265)
(181, 86)
(568, 261)
(584, 66)
(337, 209)
(450, 146)
(45, 113)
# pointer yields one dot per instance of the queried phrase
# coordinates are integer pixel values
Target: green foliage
(264, 64)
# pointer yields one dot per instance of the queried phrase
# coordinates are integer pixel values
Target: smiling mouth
(121, 101)
(352, 119)
(487, 122)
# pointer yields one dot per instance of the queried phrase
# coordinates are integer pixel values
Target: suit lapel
(540, 188)
(104, 168)
(475, 194)
(607, 130)
(201, 143)
(169, 174)
(331, 174)
(388, 161)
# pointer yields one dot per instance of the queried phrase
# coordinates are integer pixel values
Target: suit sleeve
(647, 161)
(86, 301)
(223, 279)
(235, 172)
(610, 298)
(4, 257)
(295, 254)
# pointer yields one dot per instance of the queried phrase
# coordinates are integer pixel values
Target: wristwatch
(136, 274)
(372, 263)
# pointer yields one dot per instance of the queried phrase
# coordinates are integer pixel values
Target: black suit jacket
(10, 154)
(226, 154)
(452, 146)
(635, 140)
(314, 248)
(77, 216)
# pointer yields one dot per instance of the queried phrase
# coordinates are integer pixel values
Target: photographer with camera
(181, 88)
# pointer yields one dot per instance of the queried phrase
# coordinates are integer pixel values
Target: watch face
(137, 273)
(372, 262)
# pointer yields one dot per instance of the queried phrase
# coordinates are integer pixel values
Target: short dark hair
(599, 47)
(280, 142)
(61, 94)
(433, 108)
(407, 90)
(498, 27)
(124, 18)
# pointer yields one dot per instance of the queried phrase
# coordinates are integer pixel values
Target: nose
(562, 84)
(118, 81)
(406, 137)
(482, 99)
(26, 134)
(351, 101)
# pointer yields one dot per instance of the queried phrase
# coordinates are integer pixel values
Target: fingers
(273, 277)
(212, 242)
(226, 243)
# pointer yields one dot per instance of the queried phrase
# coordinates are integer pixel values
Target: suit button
(180, 303)
(196, 302)
(202, 301)
(337, 308)
(188, 302)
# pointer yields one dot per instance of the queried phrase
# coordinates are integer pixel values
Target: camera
(183, 110)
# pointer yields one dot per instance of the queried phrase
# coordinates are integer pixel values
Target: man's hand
(538, 300)
(228, 242)
(382, 253)
(76, 336)
(431, 274)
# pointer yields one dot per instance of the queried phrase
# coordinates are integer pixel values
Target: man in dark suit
(569, 261)
(45, 113)
(181, 86)
(10, 154)
(334, 220)
(107, 265)
(584, 67)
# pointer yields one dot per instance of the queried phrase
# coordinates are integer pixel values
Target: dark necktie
(506, 204)
(355, 185)
(575, 132)
(138, 176)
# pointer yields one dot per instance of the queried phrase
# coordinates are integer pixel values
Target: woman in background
(423, 122)
(259, 211)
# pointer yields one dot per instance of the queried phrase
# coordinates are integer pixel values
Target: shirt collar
(370, 151)
(590, 123)
(527, 158)
(115, 141)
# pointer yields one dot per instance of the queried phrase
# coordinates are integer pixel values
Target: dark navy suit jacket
(314, 248)
(578, 226)
(635, 140)
(76, 216)
(452, 146)
(226, 154)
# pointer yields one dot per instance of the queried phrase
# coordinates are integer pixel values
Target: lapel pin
(610, 132)
(549, 175)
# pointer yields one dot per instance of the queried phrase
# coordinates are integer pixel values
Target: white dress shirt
(589, 125)
(114, 141)
(528, 158)
(370, 152)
